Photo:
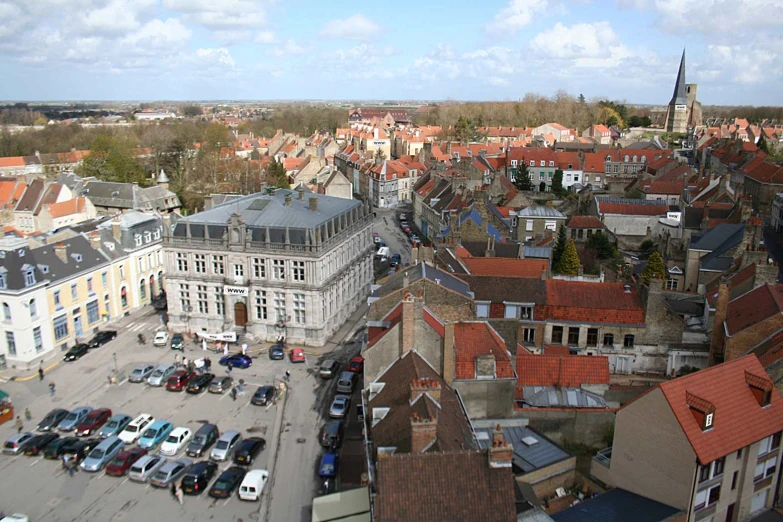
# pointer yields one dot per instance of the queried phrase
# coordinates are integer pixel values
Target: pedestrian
(287, 376)
(207, 363)
(179, 494)
(174, 489)
(225, 349)
(40, 373)
(19, 424)
(229, 368)
(176, 359)
(234, 393)
(27, 414)
(51, 389)
(184, 361)
(204, 344)
(244, 349)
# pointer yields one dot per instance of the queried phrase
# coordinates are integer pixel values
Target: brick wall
(571, 426)
(741, 342)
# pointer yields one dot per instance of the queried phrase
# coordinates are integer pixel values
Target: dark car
(248, 450)
(120, 464)
(102, 338)
(227, 482)
(356, 365)
(93, 422)
(263, 395)
(331, 435)
(179, 380)
(200, 383)
(81, 449)
(76, 352)
(58, 447)
(52, 419)
(177, 342)
(237, 360)
(277, 353)
(38, 443)
(198, 476)
(395, 260)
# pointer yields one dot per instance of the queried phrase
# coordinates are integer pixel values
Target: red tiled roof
(12, 161)
(577, 222)
(739, 419)
(508, 267)
(462, 252)
(666, 187)
(64, 208)
(592, 302)
(556, 349)
(595, 162)
(479, 338)
(633, 209)
(433, 321)
(753, 307)
(562, 370)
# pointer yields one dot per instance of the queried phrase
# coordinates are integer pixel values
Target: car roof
(141, 417)
(179, 431)
(253, 473)
(99, 411)
(358, 358)
(229, 434)
(159, 423)
(81, 409)
(146, 458)
(328, 362)
(206, 428)
(108, 441)
(118, 416)
(18, 436)
(341, 398)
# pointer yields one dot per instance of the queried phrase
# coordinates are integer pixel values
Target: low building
(536, 222)
(582, 228)
(634, 218)
(618, 505)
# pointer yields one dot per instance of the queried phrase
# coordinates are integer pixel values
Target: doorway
(77, 325)
(240, 314)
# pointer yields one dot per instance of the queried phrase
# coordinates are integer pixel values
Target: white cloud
(498, 60)
(265, 37)
(231, 36)
(516, 15)
(288, 48)
(438, 64)
(218, 55)
(356, 27)
(220, 14)
(498, 81)
(159, 32)
(117, 17)
(745, 64)
(588, 45)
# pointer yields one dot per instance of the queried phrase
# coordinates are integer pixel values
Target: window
(156, 234)
(557, 334)
(29, 277)
(259, 267)
(2, 280)
(184, 297)
(529, 225)
(775, 441)
(122, 270)
(105, 279)
(543, 163)
(140, 262)
(529, 335)
(707, 497)
(6, 312)
(217, 265)
(551, 163)
(261, 304)
(573, 335)
(734, 481)
(299, 309)
(532, 163)
(147, 236)
(56, 298)
(482, 309)
(541, 176)
(592, 337)
(739, 454)
(278, 269)
(74, 292)
(37, 339)
(200, 263)
(628, 341)
(580, 234)
(33, 306)
(137, 239)
(279, 304)
(765, 469)
(150, 260)
(60, 327)
(89, 284)
(239, 270)
(766, 444)
(124, 297)
(11, 342)
(297, 270)
(182, 262)
(671, 284)
(142, 289)
(220, 308)
(712, 470)
(92, 312)
(201, 299)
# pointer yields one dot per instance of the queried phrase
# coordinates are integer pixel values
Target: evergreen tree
(654, 268)
(763, 146)
(560, 245)
(647, 248)
(276, 175)
(557, 182)
(569, 262)
(602, 246)
(522, 178)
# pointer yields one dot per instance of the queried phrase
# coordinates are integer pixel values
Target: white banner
(225, 336)
(235, 290)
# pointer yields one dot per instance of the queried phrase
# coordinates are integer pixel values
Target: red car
(93, 422)
(356, 365)
(120, 464)
(179, 380)
(297, 355)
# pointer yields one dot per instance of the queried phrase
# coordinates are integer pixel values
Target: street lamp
(187, 309)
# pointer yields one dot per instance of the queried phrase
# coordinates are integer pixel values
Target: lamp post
(187, 309)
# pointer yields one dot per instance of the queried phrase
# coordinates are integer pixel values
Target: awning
(225, 336)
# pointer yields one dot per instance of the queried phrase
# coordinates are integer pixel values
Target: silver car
(170, 472)
(114, 425)
(141, 372)
(145, 467)
(161, 374)
(225, 445)
(102, 454)
(74, 418)
(16, 443)
(220, 384)
(340, 406)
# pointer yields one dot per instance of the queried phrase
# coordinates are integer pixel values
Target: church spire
(678, 98)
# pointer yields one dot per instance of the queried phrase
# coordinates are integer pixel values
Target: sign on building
(235, 290)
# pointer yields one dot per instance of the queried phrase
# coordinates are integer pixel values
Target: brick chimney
(95, 240)
(288, 201)
(424, 432)
(718, 331)
(425, 385)
(501, 452)
(490, 251)
(449, 355)
(408, 322)
(300, 192)
(116, 229)
(61, 251)
(313, 204)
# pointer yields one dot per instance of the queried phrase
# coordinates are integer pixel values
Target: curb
(266, 502)
(33, 376)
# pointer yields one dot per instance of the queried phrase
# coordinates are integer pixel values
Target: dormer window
(760, 387)
(626, 158)
(29, 277)
(156, 235)
(147, 237)
(532, 163)
(137, 239)
(543, 163)
(702, 410)
(77, 257)
(2, 280)
(551, 163)
(634, 159)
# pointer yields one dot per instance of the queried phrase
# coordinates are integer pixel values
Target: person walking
(185, 362)
(27, 414)
(174, 489)
(176, 359)
(244, 349)
(40, 372)
(287, 377)
(225, 349)
(229, 367)
(204, 344)
(19, 424)
(51, 389)
(179, 494)
(234, 393)
(207, 363)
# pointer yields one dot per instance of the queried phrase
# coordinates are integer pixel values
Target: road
(387, 225)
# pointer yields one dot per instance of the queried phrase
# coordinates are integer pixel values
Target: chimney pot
(300, 191)
(313, 204)
(288, 201)
(61, 251)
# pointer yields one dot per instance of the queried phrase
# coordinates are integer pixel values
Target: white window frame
(482, 309)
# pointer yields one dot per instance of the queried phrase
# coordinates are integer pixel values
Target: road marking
(33, 463)
(124, 481)
(123, 382)
(227, 500)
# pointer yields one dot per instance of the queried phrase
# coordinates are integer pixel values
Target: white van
(253, 484)
(383, 253)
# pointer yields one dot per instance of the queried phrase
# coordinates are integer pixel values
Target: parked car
(346, 382)
(38, 443)
(58, 447)
(277, 352)
(102, 454)
(76, 352)
(177, 343)
(170, 472)
(227, 482)
(102, 338)
(383, 253)
(297, 355)
(81, 448)
(133, 431)
(340, 406)
(93, 422)
(155, 434)
(179, 380)
(115, 425)
(161, 374)
(330, 461)
(225, 445)
(248, 450)
(237, 360)
(141, 372)
(221, 384)
(403, 217)
(356, 364)
(196, 478)
(253, 484)
(161, 339)
(200, 383)
(74, 418)
(332, 434)
(176, 440)
(395, 260)
(264, 395)
(145, 467)
(52, 419)
(328, 368)
(120, 464)
(415, 239)
(204, 438)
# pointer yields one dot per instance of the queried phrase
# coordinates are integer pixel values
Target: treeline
(753, 114)
(20, 115)
(301, 120)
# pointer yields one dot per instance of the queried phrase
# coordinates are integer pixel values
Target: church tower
(677, 114)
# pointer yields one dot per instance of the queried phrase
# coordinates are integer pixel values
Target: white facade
(26, 324)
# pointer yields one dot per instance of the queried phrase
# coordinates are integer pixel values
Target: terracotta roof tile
(577, 222)
(479, 338)
(64, 208)
(493, 266)
(556, 349)
(561, 370)
(633, 209)
(753, 307)
(592, 302)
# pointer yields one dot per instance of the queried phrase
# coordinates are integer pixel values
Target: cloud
(516, 15)
(117, 17)
(265, 37)
(438, 64)
(159, 32)
(588, 45)
(220, 15)
(356, 27)
(215, 56)
(288, 48)
(744, 64)
(231, 36)
(497, 81)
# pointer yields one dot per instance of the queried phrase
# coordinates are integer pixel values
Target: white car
(133, 431)
(177, 439)
(161, 339)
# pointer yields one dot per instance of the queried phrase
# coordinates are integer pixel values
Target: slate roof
(558, 397)
(616, 505)
(753, 307)
(474, 338)
(695, 214)
(561, 370)
(583, 222)
(422, 271)
(527, 457)
(592, 302)
(738, 421)
(513, 289)
(32, 196)
(537, 211)
(129, 196)
(720, 238)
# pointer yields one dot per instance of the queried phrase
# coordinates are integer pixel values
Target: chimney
(424, 432)
(490, 251)
(718, 332)
(501, 452)
(405, 280)
(425, 385)
(705, 218)
(61, 251)
(313, 204)
(288, 200)
(300, 192)
(627, 289)
(449, 355)
(543, 274)
(580, 271)
(116, 228)
(408, 323)
(95, 240)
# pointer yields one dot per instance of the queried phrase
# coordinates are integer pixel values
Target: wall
(382, 354)
(629, 225)
(587, 427)
(487, 398)
(433, 293)
(547, 479)
(740, 343)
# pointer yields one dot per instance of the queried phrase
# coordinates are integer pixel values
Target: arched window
(626, 158)
(6, 312)
(142, 289)
(644, 159)
(124, 297)
(634, 159)
(33, 308)
(608, 158)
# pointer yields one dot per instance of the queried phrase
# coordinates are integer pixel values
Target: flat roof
(532, 450)
(347, 506)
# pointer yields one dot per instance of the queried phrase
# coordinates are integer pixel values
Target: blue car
(329, 464)
(237, 361)
(155, 434)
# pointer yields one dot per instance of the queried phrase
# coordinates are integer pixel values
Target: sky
(627, 50)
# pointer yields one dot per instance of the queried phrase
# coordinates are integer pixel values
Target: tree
(569, 262)
(647, 248)
(654, 269)
(581, 99)
(557, 182)
(113, 159)
(276, 175)
(560, 245)
(379, 155)
(763, 146)
(600, 243)
(192, 110)
(522, 177)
